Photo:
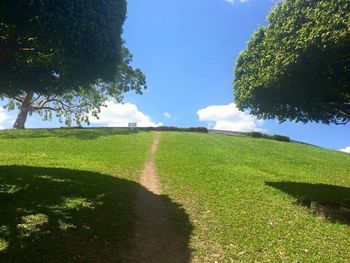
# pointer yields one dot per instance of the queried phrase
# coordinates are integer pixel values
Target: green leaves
(79, 40)
(298, 66)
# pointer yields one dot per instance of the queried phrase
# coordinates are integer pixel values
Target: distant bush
(270, 137)
(257, 135)
(171, 128)
(72, 127)
(280, 138)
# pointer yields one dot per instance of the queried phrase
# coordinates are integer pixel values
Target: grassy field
(246, 197)
(68, 195)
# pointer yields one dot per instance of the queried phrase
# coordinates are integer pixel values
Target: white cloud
(228, 117)
(119, 115)
(346, 149)
(4, 118)
(167, 115)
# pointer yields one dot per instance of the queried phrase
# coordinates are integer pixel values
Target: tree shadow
(79, 133)
(64, 215)
(329, 201)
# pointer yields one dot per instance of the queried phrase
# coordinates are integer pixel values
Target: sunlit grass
(112, 151)
(243, 196)
(31, 224)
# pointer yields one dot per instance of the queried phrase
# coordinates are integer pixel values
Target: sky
(187, 49)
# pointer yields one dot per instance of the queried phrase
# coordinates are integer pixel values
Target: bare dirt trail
(149, 178)
(155, 240)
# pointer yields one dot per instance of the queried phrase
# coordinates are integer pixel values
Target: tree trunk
(23, 111)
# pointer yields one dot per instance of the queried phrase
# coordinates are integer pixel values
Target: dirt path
(149, 178)
(155, 240)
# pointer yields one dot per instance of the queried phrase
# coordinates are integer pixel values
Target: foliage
(242, 193)
(257, 134)
(78, 105)
(281, 138)
(298, 66)
(171, 128)
(275, 137)
(49, 47)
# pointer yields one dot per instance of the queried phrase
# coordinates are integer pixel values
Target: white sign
(132, 125)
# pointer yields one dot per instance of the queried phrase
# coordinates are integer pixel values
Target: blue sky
(187, 50)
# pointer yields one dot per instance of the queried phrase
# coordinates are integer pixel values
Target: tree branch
(35, 108)
(38, 97)
(340, 104)
(61, 105)
(330, 106)
(17, 98)
(342, 113)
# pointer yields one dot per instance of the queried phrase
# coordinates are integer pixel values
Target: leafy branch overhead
(298, 66)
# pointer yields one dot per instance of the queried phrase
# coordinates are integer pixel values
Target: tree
(58, 47)
(80, 104)
(298, 66)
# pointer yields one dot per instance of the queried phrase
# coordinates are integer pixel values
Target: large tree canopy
(58, 45)
(298, 66)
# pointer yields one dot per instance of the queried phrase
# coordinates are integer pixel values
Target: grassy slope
(67, 195)
(241, 195)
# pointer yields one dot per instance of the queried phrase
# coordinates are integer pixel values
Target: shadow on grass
(81, 133)
(325, 200)
(63, 215)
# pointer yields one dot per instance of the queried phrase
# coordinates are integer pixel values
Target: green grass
(68, 195)
(243, 196)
